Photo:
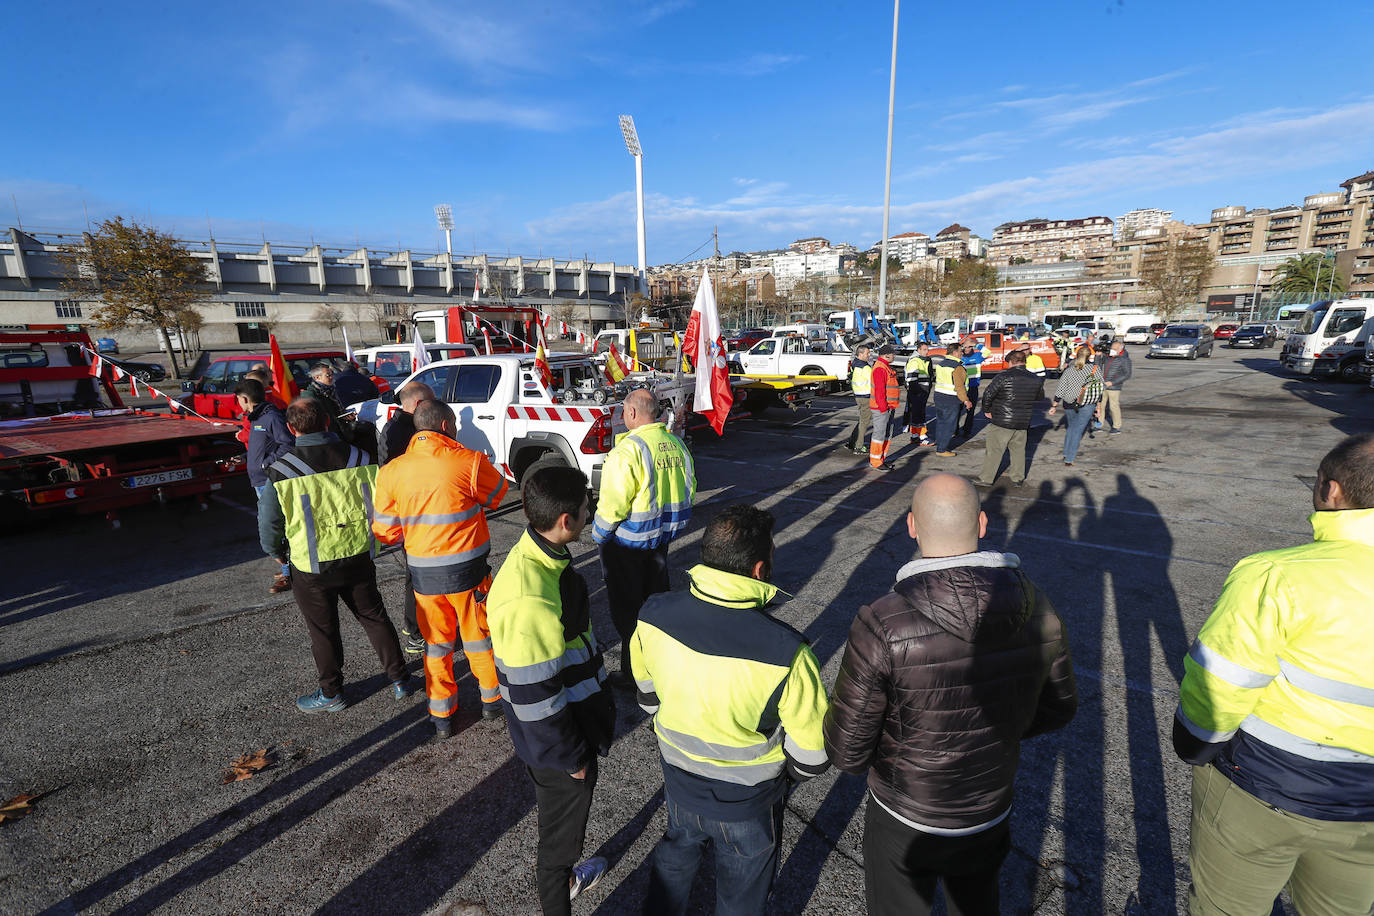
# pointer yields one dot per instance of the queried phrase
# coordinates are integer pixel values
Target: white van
(953, 330)
(996, 322)
(1330, 339)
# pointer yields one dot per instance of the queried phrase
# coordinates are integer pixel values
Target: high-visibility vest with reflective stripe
(434, 498)
(1284, 657)
(647, 486)
(944, 368)
(541, 669)
(891, 390)
(973, 362)
(736, 695)
(918, 366)
(327, 514)
(861, 380)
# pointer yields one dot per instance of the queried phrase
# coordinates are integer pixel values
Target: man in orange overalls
(433, 498)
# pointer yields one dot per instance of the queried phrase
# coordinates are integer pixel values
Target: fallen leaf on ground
(248, 764)
(17, 807)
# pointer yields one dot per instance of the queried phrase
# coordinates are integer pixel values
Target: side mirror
(388, 398)
(188, 386)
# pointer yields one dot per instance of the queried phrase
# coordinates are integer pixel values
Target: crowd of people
(942, 676)
(1088, 391)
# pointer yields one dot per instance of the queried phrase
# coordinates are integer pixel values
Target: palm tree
(1301, 275)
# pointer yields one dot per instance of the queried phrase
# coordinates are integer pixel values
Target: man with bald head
(941, 680)
(647, 487)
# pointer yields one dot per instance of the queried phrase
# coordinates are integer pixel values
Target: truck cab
(1330, 339)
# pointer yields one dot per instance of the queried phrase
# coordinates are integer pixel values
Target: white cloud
(657, 11)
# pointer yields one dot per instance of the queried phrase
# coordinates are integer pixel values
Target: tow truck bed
(73, 434)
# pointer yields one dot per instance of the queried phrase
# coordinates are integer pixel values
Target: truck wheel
(599, 396)
(547, 460)
(1350, 371)
(823, 387)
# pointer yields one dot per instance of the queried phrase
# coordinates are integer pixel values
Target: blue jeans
(746, 861)
(946, 419)
(1078, 419)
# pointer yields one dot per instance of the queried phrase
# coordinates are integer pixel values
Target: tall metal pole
(887, 180)
(639, 199)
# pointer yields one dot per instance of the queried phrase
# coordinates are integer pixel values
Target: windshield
(1311, 320)
(1255, 328)
(1179, 332)
(1138, 329)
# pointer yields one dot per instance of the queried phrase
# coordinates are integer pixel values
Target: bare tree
(1175, 273)
(330, 317)
(973, 283)
(140, 276)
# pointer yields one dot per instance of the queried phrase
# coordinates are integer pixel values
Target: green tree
(973, 283)
(1174, 274)
(1303, 275)
(142, 278)
(873, 262)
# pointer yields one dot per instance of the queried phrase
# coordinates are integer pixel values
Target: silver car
(1186, 341)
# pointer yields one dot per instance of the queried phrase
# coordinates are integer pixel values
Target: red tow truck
(67, 442)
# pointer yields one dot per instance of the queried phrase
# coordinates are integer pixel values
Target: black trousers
(564, 804)
(408, 622)
(631, 577)
(318, 598)
(972, 412)
(917, 394)
(902, 866)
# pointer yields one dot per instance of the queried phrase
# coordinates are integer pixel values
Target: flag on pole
(348, 348)
(419, 352)
(615, 369)
(713, 397)
(283, 383)
(541, 368)
(476, 285)
(486, 335)
(97, 366)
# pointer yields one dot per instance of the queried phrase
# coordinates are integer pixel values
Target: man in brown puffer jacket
(941, 680)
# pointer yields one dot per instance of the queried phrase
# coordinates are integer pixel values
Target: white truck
(797, 355)
(504, 412)
(1330, 339)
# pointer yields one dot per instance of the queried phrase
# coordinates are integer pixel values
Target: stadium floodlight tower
(444, 213)
(627, 127)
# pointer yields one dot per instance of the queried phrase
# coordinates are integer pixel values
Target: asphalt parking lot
(136, 664)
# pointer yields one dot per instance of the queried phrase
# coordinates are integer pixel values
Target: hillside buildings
(1128, 224)
(1044, 241)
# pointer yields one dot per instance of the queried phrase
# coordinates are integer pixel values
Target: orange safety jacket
(433, 498)
(886, 394)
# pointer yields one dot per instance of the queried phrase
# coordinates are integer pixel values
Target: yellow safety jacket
(945, 367)
(736, 695)
(323, 492)
(861, 380)
(1281, 672)
(647, 486)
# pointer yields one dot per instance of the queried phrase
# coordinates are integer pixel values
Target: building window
(250, 310)
(391, 309)
(68, 309)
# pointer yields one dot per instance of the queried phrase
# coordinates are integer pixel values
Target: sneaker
(318, 702)
(492, 711)
(881, 467)
(859, 450)
(946, 454)
(400, 689)
(280, 584)
(1097, 424)
(926, 442)
(1114, 432)
(412, 643)
(980, 482)
(587, 875)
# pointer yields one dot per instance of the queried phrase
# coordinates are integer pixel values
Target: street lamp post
(627, 128)
(887, 180)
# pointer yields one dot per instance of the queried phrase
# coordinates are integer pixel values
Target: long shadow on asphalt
(374, 751)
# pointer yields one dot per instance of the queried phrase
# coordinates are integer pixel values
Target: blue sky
(349, 120)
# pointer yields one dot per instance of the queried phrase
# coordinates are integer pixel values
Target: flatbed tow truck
(68, 443)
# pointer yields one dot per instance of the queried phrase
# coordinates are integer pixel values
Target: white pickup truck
(504, 412)
(795, 355)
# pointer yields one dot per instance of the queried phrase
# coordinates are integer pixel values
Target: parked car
(1224, 331)
(1138, 334)
(144, 372)
(394, 362)
(1188, 341)
(747, 339)
(211, 389)
(106, 345)
(1156, 329)
(1254, 335)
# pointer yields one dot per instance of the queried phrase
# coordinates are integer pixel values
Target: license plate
(153, 480)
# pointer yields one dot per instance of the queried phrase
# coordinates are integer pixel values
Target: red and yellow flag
(541, 367)
(283, 383)
(615, 369)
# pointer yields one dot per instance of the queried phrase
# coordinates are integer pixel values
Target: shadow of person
(471, 435)
(1149, 624)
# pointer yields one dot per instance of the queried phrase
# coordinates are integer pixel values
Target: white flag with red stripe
(703, 342)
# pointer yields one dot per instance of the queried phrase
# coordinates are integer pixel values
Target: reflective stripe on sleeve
(542, 671)
(533, 712)
(1325, 687)
(1216, 664)
(495, 493)
(700, 748)
(804, 757)
(386, 519)
(1293, 744)
(1200, 733)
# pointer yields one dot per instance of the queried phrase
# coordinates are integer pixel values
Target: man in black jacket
(394, 441)
(1116, 372)
(268, 439)
(1008, 403)
(941, 680)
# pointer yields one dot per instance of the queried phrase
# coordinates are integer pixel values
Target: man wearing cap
(883, 401)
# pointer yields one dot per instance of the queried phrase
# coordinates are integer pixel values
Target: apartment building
(1334, 220)
(795, 266)
(1128, 224)
(906, 247)
(953, 241)
(813, 245)
(1043, 241)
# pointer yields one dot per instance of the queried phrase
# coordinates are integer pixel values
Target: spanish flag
(283, 383)
(615, 369)
(541, 368)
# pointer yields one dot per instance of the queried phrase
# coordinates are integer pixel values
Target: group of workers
(1275, 713)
